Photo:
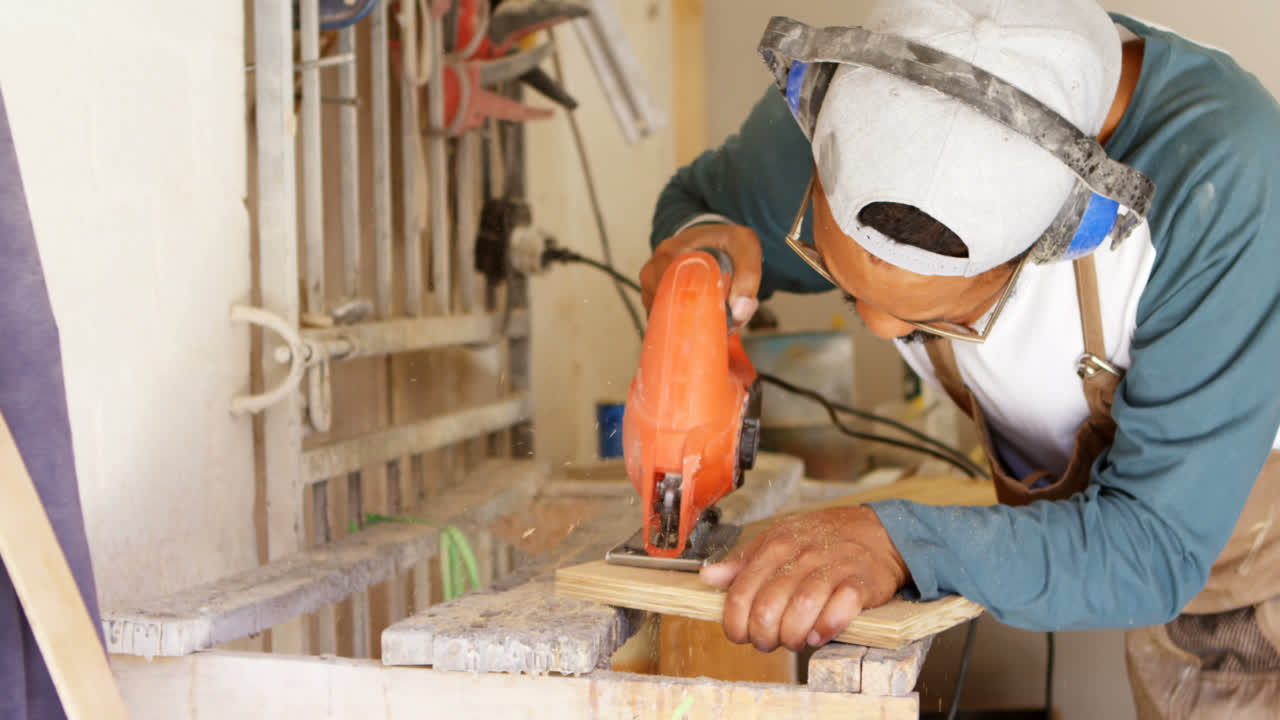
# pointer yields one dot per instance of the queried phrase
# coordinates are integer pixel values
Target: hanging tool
(468, 103)
(487, 54)
(485, 35)
(692, 419)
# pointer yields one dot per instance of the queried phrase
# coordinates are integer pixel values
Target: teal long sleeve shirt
(1199, 408)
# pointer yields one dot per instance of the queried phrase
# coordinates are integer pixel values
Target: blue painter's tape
(795, 82)
(1099, 217)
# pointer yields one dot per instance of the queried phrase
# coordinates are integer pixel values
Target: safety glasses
(941, 328)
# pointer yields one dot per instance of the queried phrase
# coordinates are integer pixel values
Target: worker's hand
(803, 580)
(743, 247)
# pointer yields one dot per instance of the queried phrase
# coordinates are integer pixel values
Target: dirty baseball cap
(882, 138)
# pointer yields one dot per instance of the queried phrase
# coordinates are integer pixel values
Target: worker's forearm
(1095, 561)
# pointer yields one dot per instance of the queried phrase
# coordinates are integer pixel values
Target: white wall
(129, 124)
(584, 345)
(1008, 664)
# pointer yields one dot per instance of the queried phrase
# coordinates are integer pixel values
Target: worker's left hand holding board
(805, 578)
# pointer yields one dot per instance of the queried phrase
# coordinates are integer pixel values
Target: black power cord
(942, 452)
(555, 253)
(1048, 677)
(964, 669)
(933, 447)
(592, 195)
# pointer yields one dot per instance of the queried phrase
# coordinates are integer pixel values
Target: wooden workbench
(516, 648)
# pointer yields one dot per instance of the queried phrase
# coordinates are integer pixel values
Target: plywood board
(892, 625)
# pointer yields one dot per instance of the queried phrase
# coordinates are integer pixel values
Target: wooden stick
(50, 597)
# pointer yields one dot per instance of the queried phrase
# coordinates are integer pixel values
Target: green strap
(457, 562)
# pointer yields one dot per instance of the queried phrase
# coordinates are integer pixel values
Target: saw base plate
(707, 546)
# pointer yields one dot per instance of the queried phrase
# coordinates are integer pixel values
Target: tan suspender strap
(943, 357)
(1100, 386)
(1090, 308)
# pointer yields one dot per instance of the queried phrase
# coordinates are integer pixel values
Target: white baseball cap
(882, 138)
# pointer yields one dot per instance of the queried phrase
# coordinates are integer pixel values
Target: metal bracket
(299, 354)
(1089, 365)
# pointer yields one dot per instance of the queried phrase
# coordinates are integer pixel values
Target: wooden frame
(220, 685)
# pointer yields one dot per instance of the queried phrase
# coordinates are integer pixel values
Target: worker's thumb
(743, 308)
(721, 574)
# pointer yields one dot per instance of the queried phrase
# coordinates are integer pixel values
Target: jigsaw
(692, 419)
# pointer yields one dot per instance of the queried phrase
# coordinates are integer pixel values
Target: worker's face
(886, 295)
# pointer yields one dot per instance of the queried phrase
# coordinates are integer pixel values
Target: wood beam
(265, 596)
(219, 685)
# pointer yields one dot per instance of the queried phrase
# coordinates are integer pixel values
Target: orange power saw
(692, 419)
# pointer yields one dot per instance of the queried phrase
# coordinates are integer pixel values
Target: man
(1111, 321)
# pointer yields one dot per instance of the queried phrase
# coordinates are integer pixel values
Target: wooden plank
(698, 648)
(260, 598)
(278, 281)
(219, 685)
(49, 595)
(555, 634)
(420, 333)
(837, 667)
(892, 625)
(893, 672)
(520, 626)
(438, 432)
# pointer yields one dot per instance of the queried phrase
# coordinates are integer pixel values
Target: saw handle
(726, 270)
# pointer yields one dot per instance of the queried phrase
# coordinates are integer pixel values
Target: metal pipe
(349, 137)
(324, 62)
(410, 156)
(437, 165)
(312, 158)
(381, 131)
(465, 173)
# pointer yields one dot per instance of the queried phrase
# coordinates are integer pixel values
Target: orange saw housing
(686, 407)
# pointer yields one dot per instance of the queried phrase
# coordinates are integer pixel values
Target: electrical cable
(1048, 678)
(863, 414)
(967, 467)
(591, 190)
(964, 670)
(942, 452)
(565, 255)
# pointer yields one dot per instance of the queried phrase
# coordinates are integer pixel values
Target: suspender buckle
(1089, 365)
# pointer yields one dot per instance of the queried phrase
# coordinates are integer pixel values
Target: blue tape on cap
(795, 81)
(1098, 220)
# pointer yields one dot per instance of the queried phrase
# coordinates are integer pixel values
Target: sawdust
(541, 527)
